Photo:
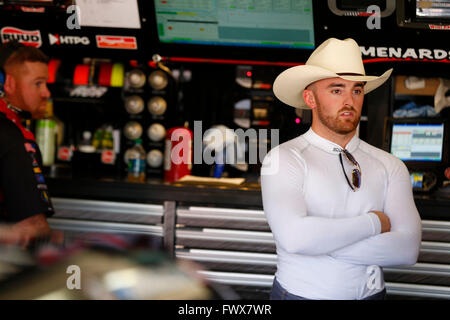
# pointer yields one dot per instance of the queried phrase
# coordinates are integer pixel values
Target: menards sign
(406, 53)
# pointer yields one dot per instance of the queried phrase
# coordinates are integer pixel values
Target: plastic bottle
(107, 139)
(46, 136)
(136, 162)
(98, 137)
(86, 144)
(108, 153)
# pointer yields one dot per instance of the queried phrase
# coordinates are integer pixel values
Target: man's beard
(336, 124)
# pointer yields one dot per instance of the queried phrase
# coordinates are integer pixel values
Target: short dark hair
(18, 54)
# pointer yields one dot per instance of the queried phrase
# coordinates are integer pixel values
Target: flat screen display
(251, 23)
(417, 142)
(433, 9)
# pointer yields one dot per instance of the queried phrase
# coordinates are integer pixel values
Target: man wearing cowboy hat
(339, 208)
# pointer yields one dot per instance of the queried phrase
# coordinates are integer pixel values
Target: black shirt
(23, 192)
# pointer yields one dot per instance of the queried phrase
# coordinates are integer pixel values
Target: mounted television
(420, 14)
(235, 29)
(422, 143)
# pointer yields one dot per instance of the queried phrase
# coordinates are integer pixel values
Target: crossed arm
(355, 240)
(401, 245)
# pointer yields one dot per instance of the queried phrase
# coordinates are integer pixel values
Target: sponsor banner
(439, 27)
(116, 42)
(29, 147)
(33, 9)
(26, 37)
(88, 91)
(42, 186)
(44, 196)
(406, 53)
(40, 178)
(57, 39)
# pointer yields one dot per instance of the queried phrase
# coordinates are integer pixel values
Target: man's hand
(385, 222)
(30, 229)
(7, 235)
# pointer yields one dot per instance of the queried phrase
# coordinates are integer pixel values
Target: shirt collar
(329, 146)
(10, 113)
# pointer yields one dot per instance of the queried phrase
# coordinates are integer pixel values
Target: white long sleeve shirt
(329, 245)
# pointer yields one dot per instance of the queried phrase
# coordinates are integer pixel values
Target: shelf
(431, 85)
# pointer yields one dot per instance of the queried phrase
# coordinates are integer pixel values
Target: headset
(6, 51)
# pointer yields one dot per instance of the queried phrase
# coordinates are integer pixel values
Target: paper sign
(109, 13)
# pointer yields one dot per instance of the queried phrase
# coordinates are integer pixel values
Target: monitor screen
(433, 9)
(269, 23)
(417, 142)
(420, 14)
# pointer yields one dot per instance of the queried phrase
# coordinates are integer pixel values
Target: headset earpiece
(2, 79)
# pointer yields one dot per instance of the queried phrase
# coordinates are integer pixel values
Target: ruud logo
(27, 37)
(56, 39)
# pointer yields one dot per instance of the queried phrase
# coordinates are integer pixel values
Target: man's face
(338, 103)
(31, 93)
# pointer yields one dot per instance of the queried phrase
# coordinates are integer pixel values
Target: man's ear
(10, 84)
(309, 98)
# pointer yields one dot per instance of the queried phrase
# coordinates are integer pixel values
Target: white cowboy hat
(333, 58)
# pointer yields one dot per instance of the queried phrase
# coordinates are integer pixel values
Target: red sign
(26, 37)
(439, 27)
(31, 9)
(64, 153)
(108, 156)
(447, 173)
(116, 42)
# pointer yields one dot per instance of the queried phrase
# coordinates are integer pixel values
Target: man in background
(24, 199)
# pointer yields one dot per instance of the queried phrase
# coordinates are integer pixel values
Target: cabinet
(226, 232)
(420, 91)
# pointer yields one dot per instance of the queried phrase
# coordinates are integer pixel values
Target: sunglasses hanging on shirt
(351, 169)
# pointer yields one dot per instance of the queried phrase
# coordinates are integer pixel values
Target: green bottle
(46, 136)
